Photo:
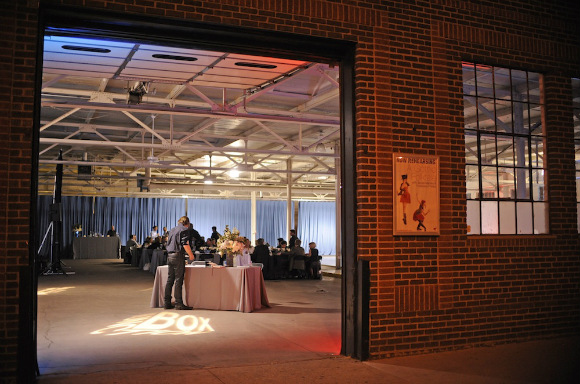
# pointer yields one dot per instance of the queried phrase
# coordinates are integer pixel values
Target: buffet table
(231, 289)
(96, 247)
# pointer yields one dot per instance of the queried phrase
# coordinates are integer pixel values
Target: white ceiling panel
(165, 131)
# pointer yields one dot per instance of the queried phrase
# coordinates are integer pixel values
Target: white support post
(288, 198)
(253, 220)
(338, 214)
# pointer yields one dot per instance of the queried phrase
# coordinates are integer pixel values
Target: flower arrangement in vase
(231, 244)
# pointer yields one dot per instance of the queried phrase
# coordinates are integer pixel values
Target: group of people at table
(286, 260)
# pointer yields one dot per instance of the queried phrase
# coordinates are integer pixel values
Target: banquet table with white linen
(233, 288)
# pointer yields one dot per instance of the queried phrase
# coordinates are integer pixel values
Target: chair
(299, 266)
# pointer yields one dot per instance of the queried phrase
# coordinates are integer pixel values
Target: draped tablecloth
(233, 289)
(136, 256)
(145, 257)
(158, 258)
(96, 247)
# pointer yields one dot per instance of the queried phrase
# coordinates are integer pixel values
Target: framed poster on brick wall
(416, 195)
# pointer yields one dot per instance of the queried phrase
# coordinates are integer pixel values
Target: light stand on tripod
(54, 266)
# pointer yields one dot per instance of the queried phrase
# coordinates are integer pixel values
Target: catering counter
(96, 247)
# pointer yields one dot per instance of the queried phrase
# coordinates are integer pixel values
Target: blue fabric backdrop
(137, 216)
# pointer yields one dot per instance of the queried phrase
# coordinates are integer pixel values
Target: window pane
(522, 183)
(489, 223)
(540, 218)
(521, 151)
(471, 156)
(486, 114)
(576, 93)
(470, 112)
(503, 111)
(505, 150)
(537, 152)
(473, 217)
(538, 185)
(525, 222)
(519, 85)
(488, 153)
(507, 217)
(506, 183)
(472, 184)
(489, 182)
(520, 118)
(578, 215)
(535, 121)
(484, 80)
(534, 87)
(578, 188)
(468, 79)
(502, 83)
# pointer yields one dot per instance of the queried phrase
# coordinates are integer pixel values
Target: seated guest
(112, 232)
(245, 258)
(249, 247)
(147, 242)
(164, 241)
(261, 254)
(210, 242)
(297, 263)
(132, 242)
(280, 240)
(313, 262)
(156, 244)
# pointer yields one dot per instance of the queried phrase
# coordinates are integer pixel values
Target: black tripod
(54, 266)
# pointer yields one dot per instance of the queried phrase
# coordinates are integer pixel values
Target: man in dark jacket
(178, 246)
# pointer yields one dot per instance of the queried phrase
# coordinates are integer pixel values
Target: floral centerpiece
(231, 244)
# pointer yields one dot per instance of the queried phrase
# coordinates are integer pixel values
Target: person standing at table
(215, 235)
(196, 240)
(165, 232)
(154, 233)
(293, 238)
(178, 246)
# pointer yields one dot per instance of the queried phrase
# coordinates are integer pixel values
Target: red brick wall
(427, 293)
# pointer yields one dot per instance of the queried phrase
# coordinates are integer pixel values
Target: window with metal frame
(504, 151)
(576, 117)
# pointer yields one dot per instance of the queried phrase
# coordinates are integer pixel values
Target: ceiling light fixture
(173, 57)
(86, 49)
(255, 65)
(137, 91)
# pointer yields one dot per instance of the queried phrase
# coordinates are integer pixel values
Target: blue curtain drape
(271, 221)
(317, 223)
(138, 215)
(206, 213)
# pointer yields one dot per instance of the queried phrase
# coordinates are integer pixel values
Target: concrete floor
(96, 326)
